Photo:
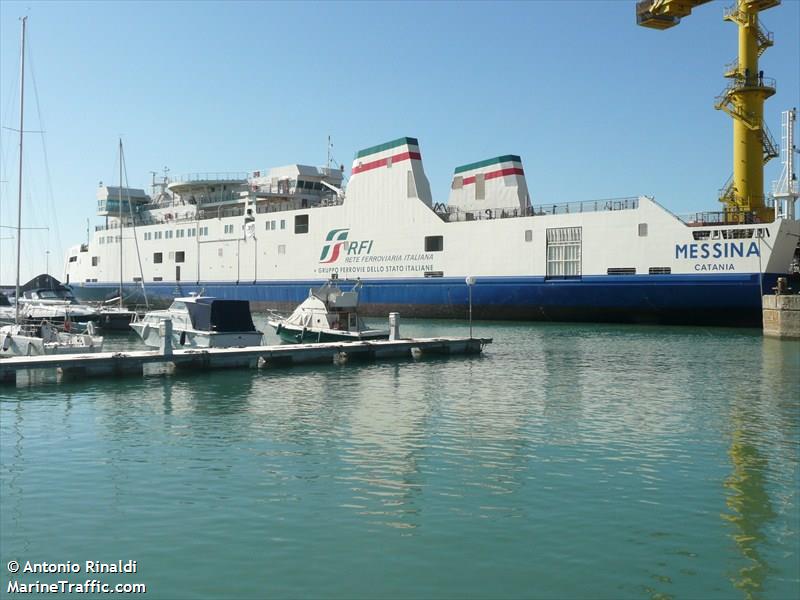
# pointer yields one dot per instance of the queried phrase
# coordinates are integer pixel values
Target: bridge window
(434, 243)
(73, 259)
(301, 224)
(737, 234)
(564, 252)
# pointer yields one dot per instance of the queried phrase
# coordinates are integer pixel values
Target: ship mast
(785, 190)
(120, 223)
(19, 187)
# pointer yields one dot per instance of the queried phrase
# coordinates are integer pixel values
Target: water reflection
(386, 439)
(763, 427)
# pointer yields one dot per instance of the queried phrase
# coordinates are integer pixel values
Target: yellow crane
(743, 99)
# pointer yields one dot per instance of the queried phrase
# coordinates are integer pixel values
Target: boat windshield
(54, 295)
(178, 306)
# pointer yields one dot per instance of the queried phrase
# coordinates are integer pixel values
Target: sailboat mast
(19, 187)
(120, 223)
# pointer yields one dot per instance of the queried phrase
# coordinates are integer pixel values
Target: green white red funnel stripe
(398, 150)
(501, 166)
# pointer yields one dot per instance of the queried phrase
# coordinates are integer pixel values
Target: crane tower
(743, 99)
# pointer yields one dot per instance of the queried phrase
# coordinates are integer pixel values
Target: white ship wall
(387, 215)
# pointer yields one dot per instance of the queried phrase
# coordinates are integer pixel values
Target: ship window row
(178, 256)
(108, 239)
(179, 233)
(730, 234)
(273, 225)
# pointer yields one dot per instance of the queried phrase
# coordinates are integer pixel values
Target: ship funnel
(389, 172)
(495, 184)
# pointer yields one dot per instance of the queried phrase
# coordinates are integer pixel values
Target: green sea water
(568, 461)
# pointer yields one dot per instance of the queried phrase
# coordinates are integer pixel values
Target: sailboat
(119, 317)
(30, 339)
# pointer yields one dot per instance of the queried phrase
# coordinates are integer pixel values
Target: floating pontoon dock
(113, 364)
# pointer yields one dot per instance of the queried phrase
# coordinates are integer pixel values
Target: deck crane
(743, 99)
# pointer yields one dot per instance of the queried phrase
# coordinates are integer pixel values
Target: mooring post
(165, 333)
(394, 326)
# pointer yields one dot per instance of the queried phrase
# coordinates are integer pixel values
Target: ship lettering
(714, 267)
(716, 250)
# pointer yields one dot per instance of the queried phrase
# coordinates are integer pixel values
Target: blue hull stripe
(646, 293)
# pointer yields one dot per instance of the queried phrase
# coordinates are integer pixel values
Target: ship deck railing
(222, 177)
(719, 217)
(453, 214)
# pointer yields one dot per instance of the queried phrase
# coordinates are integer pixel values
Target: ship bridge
(118, 201)
(208, 188)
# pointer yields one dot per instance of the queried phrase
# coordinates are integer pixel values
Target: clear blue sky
(596, 106)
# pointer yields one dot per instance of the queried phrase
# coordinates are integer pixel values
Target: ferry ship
(268, 238)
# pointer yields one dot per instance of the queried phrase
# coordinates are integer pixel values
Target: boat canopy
(221, 315)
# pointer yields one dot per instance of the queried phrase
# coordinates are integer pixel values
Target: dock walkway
(115, 364)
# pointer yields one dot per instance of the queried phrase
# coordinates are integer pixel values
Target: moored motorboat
(45, 338)
(46, 298)
(327, 315)
(201, 322)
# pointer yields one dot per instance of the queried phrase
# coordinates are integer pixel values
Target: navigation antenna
(785, 189)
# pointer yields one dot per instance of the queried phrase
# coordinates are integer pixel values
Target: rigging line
(48, 179)
(124, 169)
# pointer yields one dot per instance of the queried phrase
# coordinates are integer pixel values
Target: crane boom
(742, 99)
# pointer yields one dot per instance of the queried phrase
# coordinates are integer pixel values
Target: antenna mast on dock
(743, 99)
(785, 189)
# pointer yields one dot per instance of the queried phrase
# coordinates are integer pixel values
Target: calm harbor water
(569, 461)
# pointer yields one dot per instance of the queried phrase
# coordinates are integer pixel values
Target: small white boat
(327, 315)
(201, 322)
(38, 340)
